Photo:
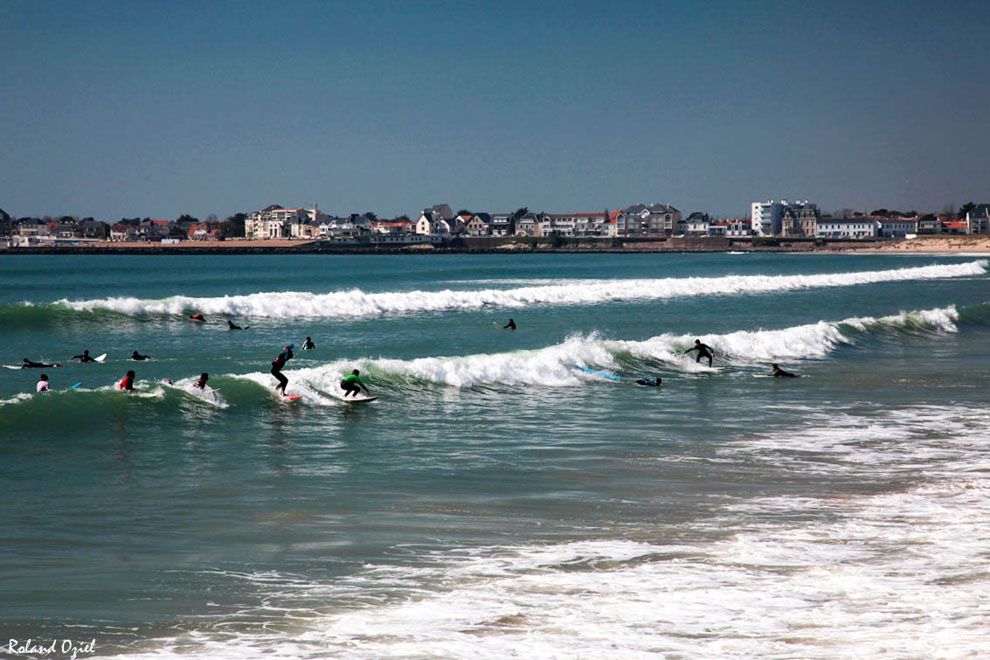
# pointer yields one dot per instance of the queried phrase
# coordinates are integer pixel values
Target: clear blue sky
(155, 109)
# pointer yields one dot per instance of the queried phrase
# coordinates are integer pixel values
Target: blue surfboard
(603, 374)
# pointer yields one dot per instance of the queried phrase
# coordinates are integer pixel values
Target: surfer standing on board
(201, 383)
(277, 365)
(704, 351)
(352, 384)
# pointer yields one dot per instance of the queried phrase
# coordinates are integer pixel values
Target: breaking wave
(357, 303)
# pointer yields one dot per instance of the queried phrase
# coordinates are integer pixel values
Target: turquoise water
(495, 500)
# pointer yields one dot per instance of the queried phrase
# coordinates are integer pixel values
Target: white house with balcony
(865, 227)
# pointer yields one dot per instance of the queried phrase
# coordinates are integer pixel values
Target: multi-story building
(978, 219)
(897, 227)
(865, 227)
(654, 220)
(799, 220)
(274, 222)
(767, 217)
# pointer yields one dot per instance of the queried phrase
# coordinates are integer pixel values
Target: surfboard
(76, 386)
(593, 372)
(100, 358)
(13, 366)
(291, 397)
(363, 400)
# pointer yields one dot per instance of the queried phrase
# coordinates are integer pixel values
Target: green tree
(186, 218)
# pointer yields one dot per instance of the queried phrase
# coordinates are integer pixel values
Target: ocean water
(496, 501)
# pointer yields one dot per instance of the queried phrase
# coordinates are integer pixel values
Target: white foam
(357, 303)
(890, 575)
(553, 366)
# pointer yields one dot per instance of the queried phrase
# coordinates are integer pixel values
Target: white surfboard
(100, 358)
(366, 399)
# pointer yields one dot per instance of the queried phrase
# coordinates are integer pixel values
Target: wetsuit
(231, 326)
(308, 345)
(127, 384)
(277, 365)
(511, 325)
(352, 384)
(780, 373)
(83, 358)
(704, 351)
(648, 382)
(137, 356)
(28, 364)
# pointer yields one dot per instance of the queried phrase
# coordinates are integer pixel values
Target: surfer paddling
(138, 357)
(31, 364)
(704, 351)
(511, 325)
(233, 326)
(277, 365)
(649, 382)
(198, 317)
(351, 384)
(777, 372)
(85, 357)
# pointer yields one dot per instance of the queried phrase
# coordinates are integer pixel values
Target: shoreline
(970, 244)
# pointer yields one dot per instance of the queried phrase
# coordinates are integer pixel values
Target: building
(897, 227)
(767, 217)
(865, 227)
(503, 224)
(799, 221)
(655, 220)
(274, 222)
(978, 219)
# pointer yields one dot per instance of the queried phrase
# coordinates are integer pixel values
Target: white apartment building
(847, 228)
(273, 222)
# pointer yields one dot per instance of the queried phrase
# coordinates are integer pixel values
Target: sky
(155, 109)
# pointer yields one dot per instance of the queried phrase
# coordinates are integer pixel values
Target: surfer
(511, 325)
(31, 364)
(777, 372)
(137, 356)
(232, 326)
(648, 382)
(201, 383)
(198, 317)
(308, 345)
(277, 365)
(352, 384)
(704, 351)
(83, 358)
(43, 385)
(128, 382)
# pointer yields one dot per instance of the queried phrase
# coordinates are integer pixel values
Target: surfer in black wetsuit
(83, 358)
(137, 356)
(277, 365)
(201, 383)
(777, 372)
(232, 326)
(704, 351)
(308, 345)
(511, 325)
(648, 382)
(31, 364)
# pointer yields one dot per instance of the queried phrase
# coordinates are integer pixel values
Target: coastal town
(639, 224)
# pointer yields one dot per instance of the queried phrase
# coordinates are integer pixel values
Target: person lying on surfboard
(232, 326)
(198, 317)
(511, 325)
(137, 356)
(83, 358)
(30, 364)
(777, 372)
(352, 384)
(648, 382)
(704, 351)
(277, 365)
